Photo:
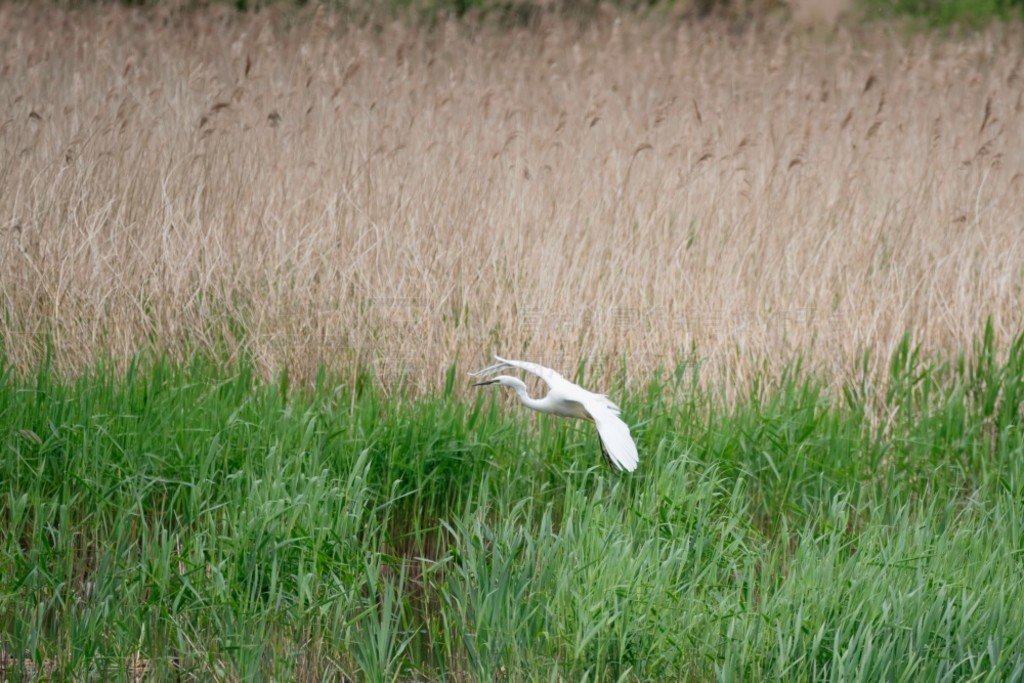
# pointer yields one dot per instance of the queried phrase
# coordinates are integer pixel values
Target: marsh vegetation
(246, 260)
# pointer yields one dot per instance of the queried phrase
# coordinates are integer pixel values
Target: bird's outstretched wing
(618, 443)
(553, 379)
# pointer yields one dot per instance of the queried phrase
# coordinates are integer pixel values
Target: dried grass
(405, 199)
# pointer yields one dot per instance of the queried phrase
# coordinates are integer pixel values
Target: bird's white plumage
(552, 378)
(571, 400)
(618, 442)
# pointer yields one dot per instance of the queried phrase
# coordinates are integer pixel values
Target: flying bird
(570, 400)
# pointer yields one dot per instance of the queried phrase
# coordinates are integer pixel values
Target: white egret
(570, 400)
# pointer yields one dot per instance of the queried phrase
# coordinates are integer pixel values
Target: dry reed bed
(406, 199)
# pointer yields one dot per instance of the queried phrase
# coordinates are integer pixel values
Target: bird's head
(503, 380)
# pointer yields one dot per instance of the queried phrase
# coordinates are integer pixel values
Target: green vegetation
(946, 12)
(192, 520)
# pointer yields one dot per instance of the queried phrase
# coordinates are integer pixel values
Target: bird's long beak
(485, 383)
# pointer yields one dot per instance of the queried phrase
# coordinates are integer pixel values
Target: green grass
(215, 526)
(938, 13)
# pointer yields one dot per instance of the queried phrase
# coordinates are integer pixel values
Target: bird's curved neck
(526, 399)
